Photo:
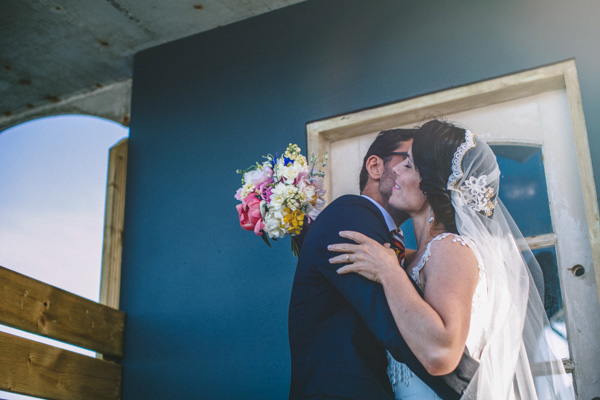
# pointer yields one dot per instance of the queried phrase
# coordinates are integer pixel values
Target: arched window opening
(53, 180)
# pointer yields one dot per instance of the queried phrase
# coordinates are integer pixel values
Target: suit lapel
(377, 212)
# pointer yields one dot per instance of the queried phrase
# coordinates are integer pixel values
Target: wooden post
(112, 247)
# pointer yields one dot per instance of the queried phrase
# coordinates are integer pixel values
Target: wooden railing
(36, 369)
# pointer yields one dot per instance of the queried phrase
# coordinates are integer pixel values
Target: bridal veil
(517, 361)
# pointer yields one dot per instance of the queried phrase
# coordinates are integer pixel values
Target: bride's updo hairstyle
(433, 149)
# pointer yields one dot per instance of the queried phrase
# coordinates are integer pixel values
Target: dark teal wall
(207, 302)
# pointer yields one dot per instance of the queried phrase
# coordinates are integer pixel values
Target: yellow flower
(295, 220)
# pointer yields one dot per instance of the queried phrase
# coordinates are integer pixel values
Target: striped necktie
(398, 245)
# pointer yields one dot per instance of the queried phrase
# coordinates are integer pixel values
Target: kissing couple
(458, 317)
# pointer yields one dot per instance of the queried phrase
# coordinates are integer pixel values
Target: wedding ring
(347, 257)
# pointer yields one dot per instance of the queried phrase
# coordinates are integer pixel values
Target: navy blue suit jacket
(341, 325)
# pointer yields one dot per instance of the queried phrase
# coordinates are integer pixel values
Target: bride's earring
(431, 216)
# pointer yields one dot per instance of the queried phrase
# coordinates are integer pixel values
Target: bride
(479, 287)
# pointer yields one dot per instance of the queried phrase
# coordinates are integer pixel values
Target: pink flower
(302, 176)
(266, 190)
(238, 194)
(257, 176)
(249, 213)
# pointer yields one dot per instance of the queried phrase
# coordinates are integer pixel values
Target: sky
(53, 175)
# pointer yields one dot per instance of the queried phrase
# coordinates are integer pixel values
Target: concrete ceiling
(54, 50)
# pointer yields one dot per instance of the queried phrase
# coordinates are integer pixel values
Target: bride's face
(406, 194)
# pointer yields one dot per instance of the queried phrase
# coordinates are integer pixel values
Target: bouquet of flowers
(281, 194)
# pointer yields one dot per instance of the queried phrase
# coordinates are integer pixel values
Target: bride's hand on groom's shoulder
(367, 257)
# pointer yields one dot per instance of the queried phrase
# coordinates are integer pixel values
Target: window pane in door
(523, 187)
(553, 302)
(552, 296)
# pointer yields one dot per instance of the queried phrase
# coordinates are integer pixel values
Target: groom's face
(386, 183)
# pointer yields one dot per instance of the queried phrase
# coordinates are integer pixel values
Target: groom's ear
(375, 167)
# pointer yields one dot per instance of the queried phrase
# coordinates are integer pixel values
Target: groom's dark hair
(383, 146)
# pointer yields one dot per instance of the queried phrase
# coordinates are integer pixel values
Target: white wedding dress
(405, 383)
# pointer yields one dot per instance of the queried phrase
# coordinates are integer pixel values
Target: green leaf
(295, 249)
(265, 237)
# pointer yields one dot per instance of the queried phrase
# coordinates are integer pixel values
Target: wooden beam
(112, 247)
(37, 369)
(36, 307)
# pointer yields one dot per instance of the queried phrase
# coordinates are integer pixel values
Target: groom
(341, 325)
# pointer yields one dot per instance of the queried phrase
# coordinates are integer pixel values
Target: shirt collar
(386, 215)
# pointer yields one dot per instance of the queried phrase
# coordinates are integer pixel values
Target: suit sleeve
(365, 296)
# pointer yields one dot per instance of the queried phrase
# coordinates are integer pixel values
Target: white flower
(247, 189)
(284, 191)
(277, 201)
(278, 196)
(290, 172)
(274, 225)
(302, 160)
(279, 168)
(308, 191)
(293, 204)
(291, 191)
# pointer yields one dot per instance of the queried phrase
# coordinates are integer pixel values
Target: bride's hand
(368, 257)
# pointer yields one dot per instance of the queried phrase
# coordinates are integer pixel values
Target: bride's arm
(436, 327)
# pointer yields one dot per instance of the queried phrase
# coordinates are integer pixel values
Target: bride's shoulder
(447, 260)
(452, 248)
